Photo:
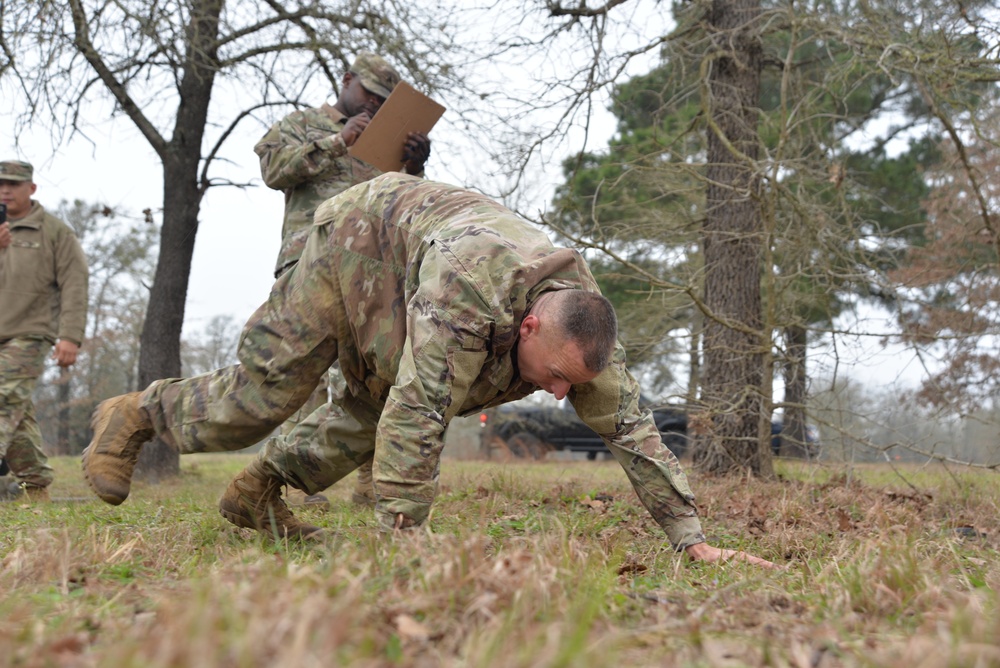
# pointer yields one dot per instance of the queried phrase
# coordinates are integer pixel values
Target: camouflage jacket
(304, 156)
(429, 283)
(43, 280)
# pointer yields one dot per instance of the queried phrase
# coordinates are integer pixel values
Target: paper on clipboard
(406, 110)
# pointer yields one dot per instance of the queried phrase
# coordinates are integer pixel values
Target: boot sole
(313, 501)
(235, 518)
(113, 499)
(362, 500)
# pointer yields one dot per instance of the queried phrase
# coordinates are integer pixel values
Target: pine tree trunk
(733, 429)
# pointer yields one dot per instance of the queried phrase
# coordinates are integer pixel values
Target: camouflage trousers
(319, 418)
(332, 441)
(285, 350)
(331, 388)
(320, 397)
(22, 361)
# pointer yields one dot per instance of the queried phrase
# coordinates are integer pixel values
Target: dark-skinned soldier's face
(357, 99)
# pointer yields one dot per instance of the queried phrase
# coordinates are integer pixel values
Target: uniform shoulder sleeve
(441, 358)
(72, 278)
(610, 406)
(300, 147)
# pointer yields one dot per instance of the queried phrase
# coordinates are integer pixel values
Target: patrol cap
(377, 76)
(15, 170)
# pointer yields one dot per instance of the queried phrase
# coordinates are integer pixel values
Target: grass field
(525, 564)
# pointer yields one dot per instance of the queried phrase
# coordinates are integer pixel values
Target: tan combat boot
(120, 428)
(253, 501)
(364, 488)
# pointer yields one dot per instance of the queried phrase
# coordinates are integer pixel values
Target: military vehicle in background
(530, 431)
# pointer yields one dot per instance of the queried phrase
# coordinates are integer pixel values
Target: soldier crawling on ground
(438, 302)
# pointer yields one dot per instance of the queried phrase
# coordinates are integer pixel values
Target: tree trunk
(160, 344)
(793, 432)
(160, 348)
(733, 428)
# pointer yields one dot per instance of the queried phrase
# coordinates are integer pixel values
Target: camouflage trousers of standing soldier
(22, 361)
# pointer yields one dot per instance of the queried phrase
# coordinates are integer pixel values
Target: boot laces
(270, 507)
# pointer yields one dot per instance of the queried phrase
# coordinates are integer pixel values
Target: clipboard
(406, 110)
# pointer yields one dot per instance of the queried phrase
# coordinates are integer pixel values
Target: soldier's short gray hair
(588, 319)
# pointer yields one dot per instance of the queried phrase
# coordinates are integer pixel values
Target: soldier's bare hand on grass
(706, 552)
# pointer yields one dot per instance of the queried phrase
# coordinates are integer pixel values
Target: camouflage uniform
(419, 289)
(43, 297)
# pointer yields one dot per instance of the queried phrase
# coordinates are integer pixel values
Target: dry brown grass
(538, 564)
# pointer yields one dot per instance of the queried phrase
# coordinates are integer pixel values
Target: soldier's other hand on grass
(706, 552)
